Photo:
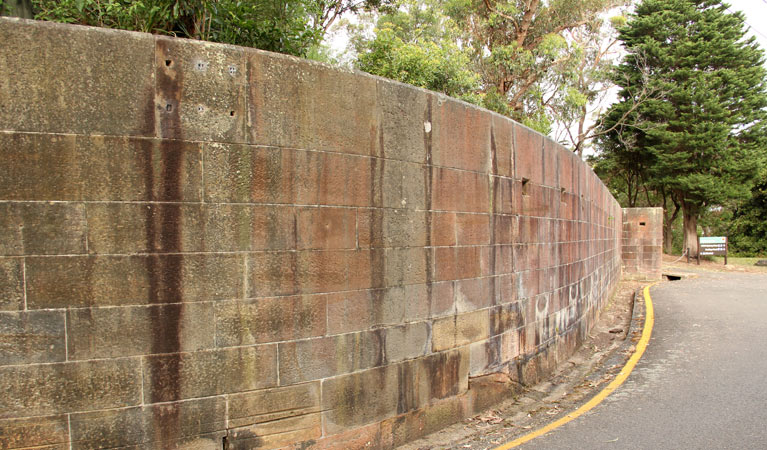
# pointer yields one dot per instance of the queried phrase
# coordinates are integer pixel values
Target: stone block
(323, 271)
(30, 337)
(47, 389)
(269, 405)
(295, 103)
(42, 228)
(314, 359)
(506, 229)
(474, 195)
(403, 228)
(504, 195)
(454, 263)
(246, 173)
(348, 401)
(442, 375)
(277, 434)
(326, 228)
(84, 281)
(485, 356)
(474, 293)
(333, 179)
(60, 87)
(528, 154)
(442, 298)
(460, 329)
(132, 169)
(186, 423)
(502, 145)
(550, 160)
(405, 266)
(442, 229)
(407, 341)
(269, 320)
(139, 330)
(403, 138)
(34, 432)
(39, 167)
(11, 284)
(461, 137)
(172, 227)
(365, 309)
(473, 229)
(180, 376)
(274, 417)
(200, 91)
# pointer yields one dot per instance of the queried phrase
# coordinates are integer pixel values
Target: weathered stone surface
(458, 127)
(61, 88)
(274, 417)
(269, 320)
(11, 284)
(132, 169)
(347, 401)
(42, 228)
(185, 422)
(314, 359)
(247, 173)
(200, 91)
(407, 341)
(366, 309)
(295, 103)
(64, 387)
(29, 337)
(461, 329)
(326, 228)
(82, 281)
(403, 130)
(127, 227)
(139, 330)
(205, 373)
(34, 432)
(39, 167)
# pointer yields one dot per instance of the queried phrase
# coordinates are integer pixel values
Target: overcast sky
(756, 17)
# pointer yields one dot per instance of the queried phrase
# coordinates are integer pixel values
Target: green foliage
(287, 26)
(748, 228)
(700, 138)
(416, 45)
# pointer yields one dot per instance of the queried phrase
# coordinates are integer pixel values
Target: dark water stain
(406, 398)
(428, 186)
(163, 234)
(493, 217)
(376, 253)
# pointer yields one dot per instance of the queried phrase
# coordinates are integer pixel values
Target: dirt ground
(591, 368)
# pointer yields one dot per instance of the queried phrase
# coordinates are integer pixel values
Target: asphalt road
(701, 384)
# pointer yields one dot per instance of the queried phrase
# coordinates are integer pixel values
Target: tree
(748, 229)
(517, 44)
(700, 136)
(294, 27)
(416, 44)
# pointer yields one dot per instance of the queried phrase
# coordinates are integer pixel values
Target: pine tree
(701, 137)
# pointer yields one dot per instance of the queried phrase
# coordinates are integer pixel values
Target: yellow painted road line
(622, 376)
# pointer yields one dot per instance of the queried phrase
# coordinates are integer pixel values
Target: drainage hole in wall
(231, 113)
(168, 62)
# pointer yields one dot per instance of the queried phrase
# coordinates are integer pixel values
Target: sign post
(713, 245)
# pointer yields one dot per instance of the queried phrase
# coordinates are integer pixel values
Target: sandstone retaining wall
(642, 251)
(206, 246)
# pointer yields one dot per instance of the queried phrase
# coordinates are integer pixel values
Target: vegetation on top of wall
(295, 27)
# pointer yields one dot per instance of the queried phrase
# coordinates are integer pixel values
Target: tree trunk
(668, 237)
(18, 8)
(690, 215)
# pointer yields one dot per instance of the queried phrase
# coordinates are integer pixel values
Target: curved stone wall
(207, 246)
